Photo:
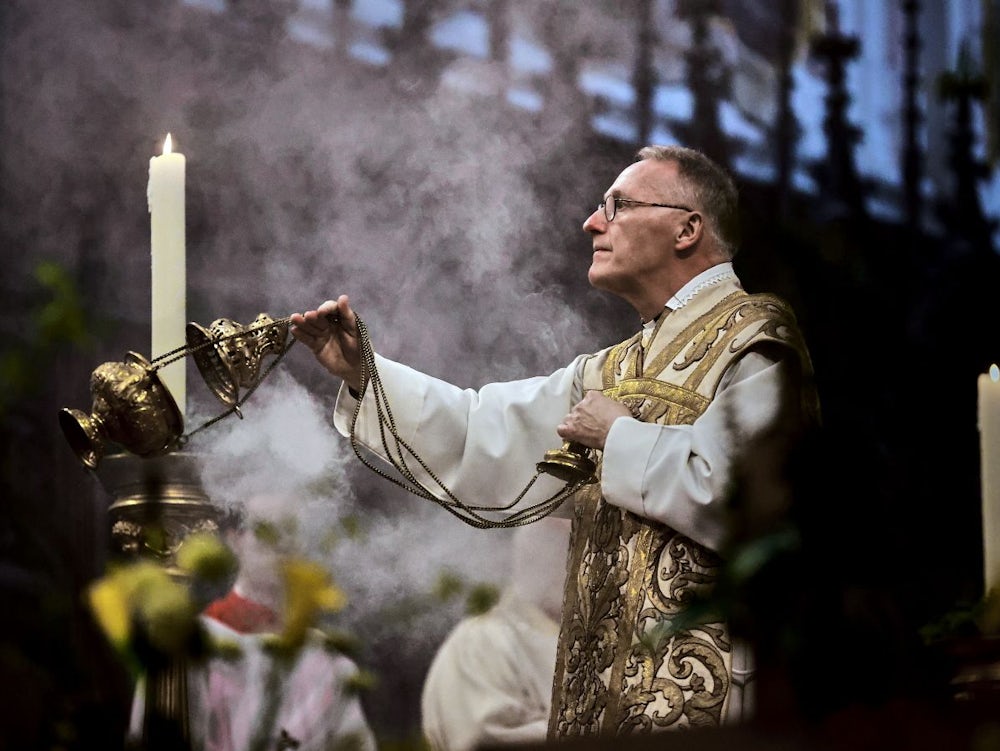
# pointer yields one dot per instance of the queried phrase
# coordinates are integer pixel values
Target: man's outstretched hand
(331, 332)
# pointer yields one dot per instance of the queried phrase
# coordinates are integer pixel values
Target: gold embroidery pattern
(590, 633)
(659, 402)
(679, 681)
(698, 330)
(618, 357)
(690, 669)
(733, 329)
(620, 668)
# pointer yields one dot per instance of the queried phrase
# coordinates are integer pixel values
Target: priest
(711, 375)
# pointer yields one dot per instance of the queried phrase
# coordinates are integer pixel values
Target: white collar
(707, 278)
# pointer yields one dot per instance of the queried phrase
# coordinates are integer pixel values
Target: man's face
(639, 243)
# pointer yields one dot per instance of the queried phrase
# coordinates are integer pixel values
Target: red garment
(243, 615)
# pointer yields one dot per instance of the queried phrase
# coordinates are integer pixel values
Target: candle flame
(994, 373)
(167, 146)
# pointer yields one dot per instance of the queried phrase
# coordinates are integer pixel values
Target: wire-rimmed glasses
(611, 204)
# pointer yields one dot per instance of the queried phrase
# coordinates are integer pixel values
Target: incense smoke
(307, 177)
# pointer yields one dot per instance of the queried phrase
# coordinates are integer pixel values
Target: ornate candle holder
(158, 500)
(134, 409)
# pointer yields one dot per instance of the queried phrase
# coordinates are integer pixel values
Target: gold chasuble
(618, 668)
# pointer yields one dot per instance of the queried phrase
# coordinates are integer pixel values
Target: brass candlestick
(157, 497)
(156, 503)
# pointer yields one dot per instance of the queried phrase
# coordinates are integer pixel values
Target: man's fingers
(335, 314)
(346, 318)
(313, 328)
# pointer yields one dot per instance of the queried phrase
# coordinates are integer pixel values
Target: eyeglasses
(611, 204)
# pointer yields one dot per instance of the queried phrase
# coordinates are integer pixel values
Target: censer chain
(397, 450)
(184, 350)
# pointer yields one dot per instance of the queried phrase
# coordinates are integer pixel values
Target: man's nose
(596, 222)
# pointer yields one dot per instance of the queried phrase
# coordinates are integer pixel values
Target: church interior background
(435, 159)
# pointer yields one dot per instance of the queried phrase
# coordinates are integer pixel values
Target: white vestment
(483, 445)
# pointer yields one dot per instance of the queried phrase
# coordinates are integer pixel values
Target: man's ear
(690, 232)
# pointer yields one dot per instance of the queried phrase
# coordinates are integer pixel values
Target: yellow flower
(309, 591)
(168, 614)
(143, 591)
(206, 557)
(109, 602)
(112, 599)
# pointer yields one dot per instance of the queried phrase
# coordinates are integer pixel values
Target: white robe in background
(491, 680)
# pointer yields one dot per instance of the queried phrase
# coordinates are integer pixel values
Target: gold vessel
(234, 358)
(571, 463)
(131, 408)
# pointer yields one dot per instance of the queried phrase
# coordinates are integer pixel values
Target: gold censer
(133, 409)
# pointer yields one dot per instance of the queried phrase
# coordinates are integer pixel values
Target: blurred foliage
(207, 558)
(363, 680)
(447, 586)
(411, 743)
(966, 619)
(279, 534)
(58, 320)
(481, 598)
(352, 527)
(344, 642)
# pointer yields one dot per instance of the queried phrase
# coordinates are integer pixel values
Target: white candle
(989, 443)
(165, 194)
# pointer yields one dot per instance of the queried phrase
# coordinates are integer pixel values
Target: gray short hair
(712, 189)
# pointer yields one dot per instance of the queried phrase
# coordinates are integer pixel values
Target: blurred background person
(490, 682)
